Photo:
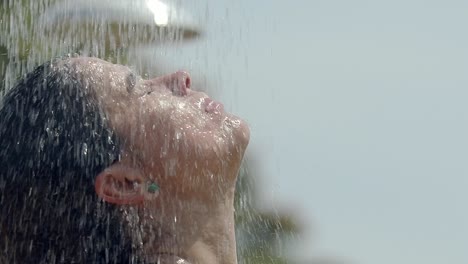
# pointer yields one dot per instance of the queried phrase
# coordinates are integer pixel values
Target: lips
(212, 106)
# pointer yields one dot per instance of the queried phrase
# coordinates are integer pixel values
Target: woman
(101, 166)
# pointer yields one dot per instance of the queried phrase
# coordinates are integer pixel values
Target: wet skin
(168, 130)
(182, 140)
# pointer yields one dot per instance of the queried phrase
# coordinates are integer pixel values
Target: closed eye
(131, 80)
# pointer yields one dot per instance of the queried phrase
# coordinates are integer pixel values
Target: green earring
(153, 187)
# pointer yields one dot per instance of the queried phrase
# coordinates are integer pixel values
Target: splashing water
(37, 31)
(33, 32)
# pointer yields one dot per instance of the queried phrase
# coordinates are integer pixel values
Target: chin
(244, 136)
(239, 129)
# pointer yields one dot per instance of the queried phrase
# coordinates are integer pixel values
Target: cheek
(176, 130)
(172, 138)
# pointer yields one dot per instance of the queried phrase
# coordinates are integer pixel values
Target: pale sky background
(358, 113)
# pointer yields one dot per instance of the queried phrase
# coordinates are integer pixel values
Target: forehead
(100, 75)
(97, 67)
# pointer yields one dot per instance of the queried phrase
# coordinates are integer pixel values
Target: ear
(120, 184)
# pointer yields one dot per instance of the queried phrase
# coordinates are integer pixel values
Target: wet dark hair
(54, 141)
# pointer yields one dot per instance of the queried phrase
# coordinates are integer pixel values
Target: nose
(179, 82)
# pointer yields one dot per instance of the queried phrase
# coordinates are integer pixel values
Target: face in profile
(76, 122)
(173, 134)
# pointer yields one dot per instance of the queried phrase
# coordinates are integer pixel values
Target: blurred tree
(3, 64)
(261, 236)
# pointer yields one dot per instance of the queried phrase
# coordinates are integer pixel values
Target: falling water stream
(33, 32)
(36, 31)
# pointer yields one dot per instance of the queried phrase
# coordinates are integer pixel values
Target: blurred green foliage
(261, 236)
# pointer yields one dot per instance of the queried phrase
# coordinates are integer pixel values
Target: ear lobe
(120, 184)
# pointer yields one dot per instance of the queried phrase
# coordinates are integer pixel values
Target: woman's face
(179, 137)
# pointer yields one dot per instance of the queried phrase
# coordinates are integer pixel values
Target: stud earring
(153, 187)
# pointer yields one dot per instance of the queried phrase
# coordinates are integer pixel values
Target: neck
(217, 243)
(198, 232)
